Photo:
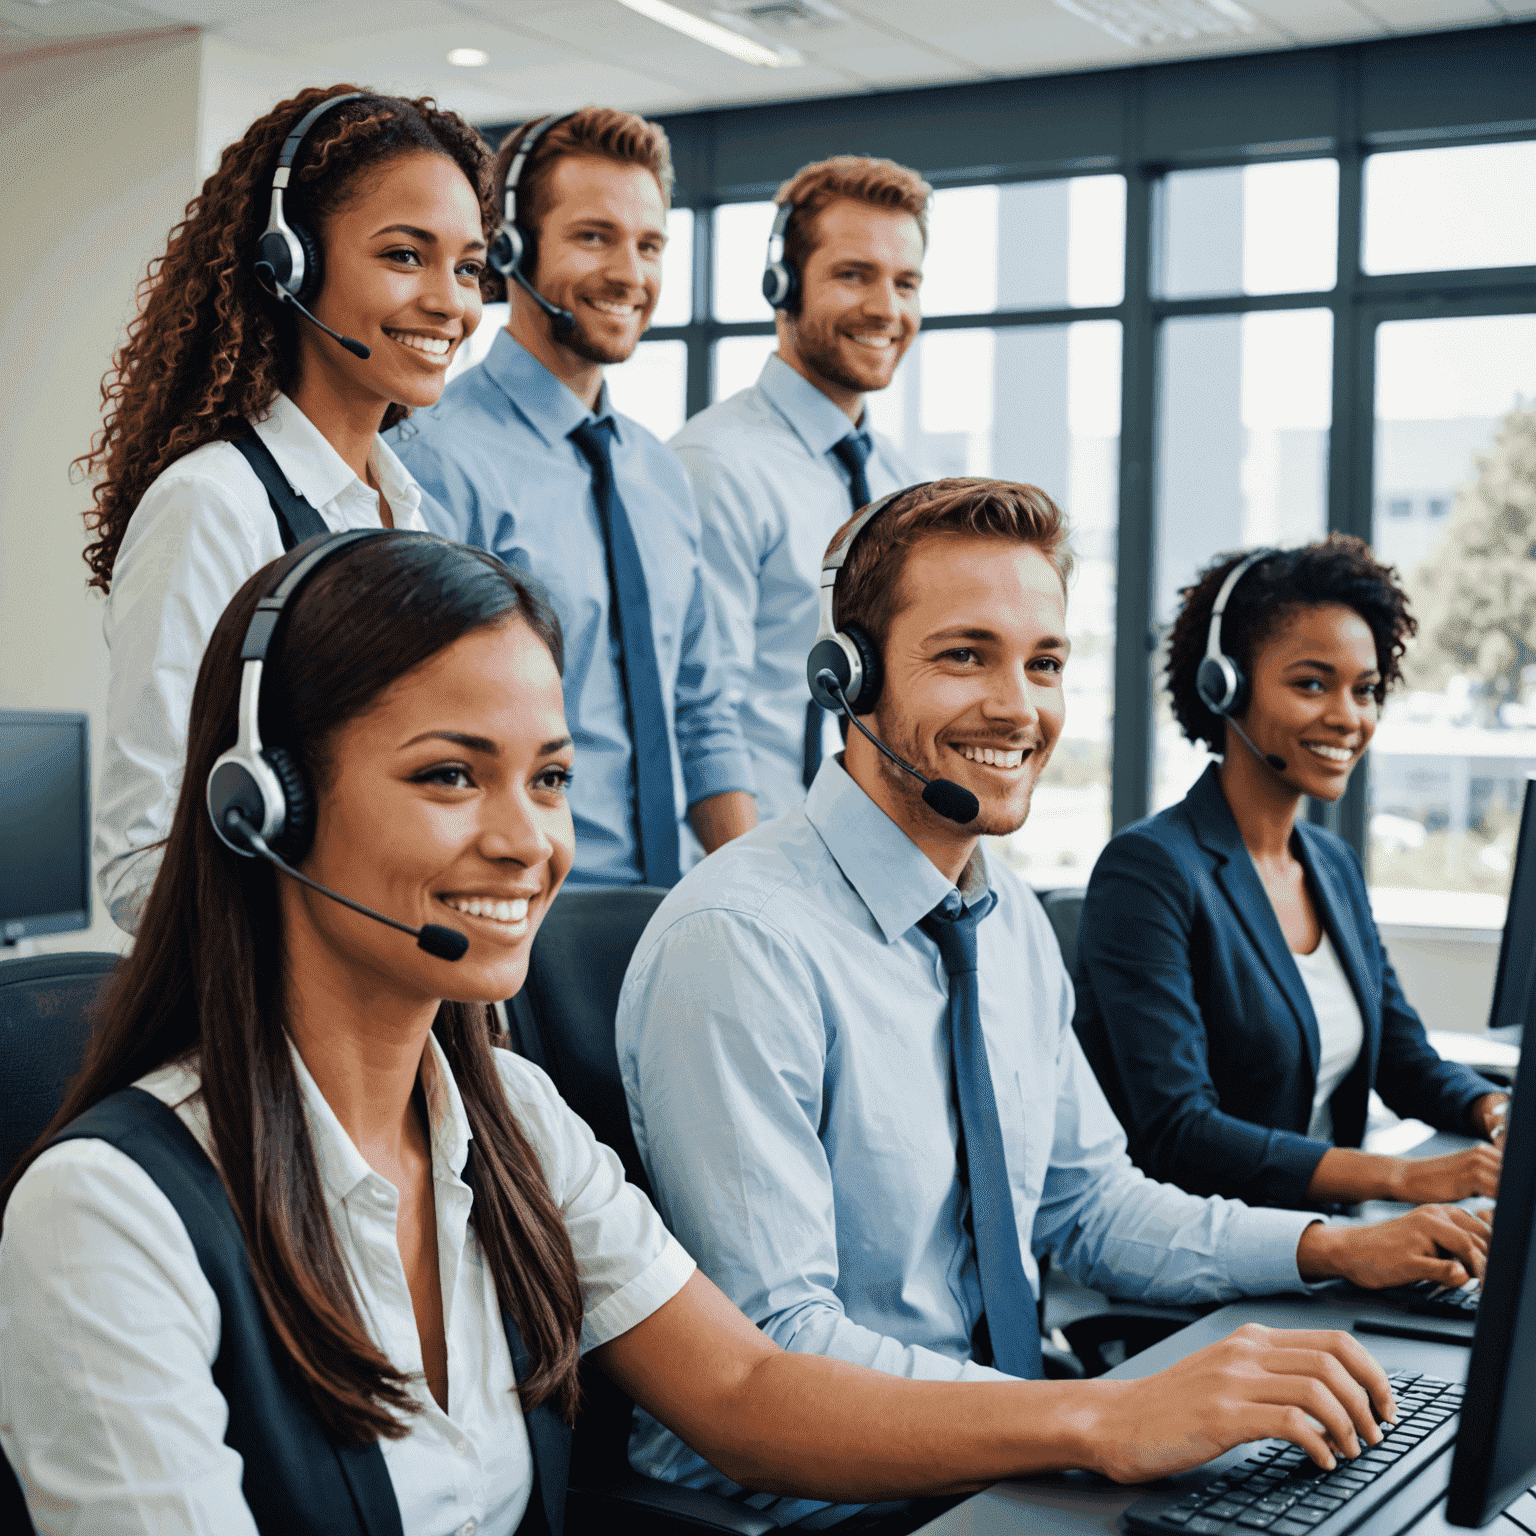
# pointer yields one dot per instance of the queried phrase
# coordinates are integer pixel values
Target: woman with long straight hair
(303, 1253)
(237, 425)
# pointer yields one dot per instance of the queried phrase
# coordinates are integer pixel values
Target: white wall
(99, 149)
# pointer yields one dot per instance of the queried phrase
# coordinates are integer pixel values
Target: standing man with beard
(778, 467)
(529, 461)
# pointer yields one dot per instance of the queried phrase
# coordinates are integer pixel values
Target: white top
(201, 530)
(108, 1328)
(1340, 1031)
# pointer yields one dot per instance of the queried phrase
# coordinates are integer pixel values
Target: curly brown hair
(210, 347)
(1340, 569)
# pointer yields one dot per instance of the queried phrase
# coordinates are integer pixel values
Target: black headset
(512, 252)
(289, 263)
(850, 653)
(781, 278)
(1220, 683)
(265, 785)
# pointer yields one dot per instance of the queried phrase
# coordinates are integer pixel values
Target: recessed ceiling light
(716, 36)
(468, 58)
(1143, 22)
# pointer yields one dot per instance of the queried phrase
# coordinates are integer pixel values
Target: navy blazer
(1198, 1025)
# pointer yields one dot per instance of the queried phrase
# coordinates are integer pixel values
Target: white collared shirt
(1340, 1029)
(109, 1330)
(202, 529)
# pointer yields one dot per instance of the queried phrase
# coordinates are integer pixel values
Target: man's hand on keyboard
(1318, 1389)
(1442, 1243)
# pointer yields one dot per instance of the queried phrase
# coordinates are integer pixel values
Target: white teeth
(994, 757)
(609, 308)
(498, 911)
(433, 346)
(1332, 754)
(873, 341)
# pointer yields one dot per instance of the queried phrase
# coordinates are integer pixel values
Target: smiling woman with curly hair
(234, 428)
(1233, 994)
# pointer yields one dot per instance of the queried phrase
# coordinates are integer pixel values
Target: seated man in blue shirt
(528, 459)
(847, 1040)
(778, 467)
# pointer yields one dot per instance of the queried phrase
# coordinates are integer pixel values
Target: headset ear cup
(868, 695)
(1220, 684)
(309, 289)
(299, 816)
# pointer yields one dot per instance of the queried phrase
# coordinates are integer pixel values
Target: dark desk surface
(1079, 1505)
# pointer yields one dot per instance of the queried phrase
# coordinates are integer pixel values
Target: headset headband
(525, 147)
(290, 149)
(776, 234)
(1213, 648)
(833, 561)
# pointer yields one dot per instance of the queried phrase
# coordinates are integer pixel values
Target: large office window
(1206, 306)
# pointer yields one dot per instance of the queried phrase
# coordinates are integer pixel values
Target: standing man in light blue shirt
(847, 1040)
(528, 460)
(778, 467)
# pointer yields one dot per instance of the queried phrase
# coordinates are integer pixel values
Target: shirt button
(467, 1529)
(462, 1447)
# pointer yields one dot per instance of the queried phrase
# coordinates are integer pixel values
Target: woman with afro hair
(236, 428)
(1233, 994)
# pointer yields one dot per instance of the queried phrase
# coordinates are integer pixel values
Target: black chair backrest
(563, 1018)
(47, 1012)
(563, 1021)
(1065, 910)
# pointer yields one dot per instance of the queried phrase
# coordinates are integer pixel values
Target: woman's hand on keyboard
(1456, 1176)
(1319, 1389)
(1442, 1243)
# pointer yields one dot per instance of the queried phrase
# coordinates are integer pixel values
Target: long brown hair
(210, 347)
(206, 976)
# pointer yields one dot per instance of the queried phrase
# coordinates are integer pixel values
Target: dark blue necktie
(629, 616)
(852, 452)
(1007, 1301)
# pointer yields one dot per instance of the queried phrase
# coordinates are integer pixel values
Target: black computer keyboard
(1280, 1490)
(1430, 1299)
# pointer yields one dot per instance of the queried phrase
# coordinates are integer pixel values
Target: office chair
(563, 1021)
(47, 1013)
(1065, 910)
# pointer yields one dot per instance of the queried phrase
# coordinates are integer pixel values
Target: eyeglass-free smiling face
(401, 273)
(444, 803)
(974, 664)
(1313, 697)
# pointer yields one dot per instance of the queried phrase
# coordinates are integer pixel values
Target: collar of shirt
(812, 417)
(320, 475)
(894, 878)
(342, 1167)
(550, 407)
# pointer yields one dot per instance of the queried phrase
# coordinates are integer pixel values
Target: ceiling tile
(75, 18)
(1424, 15)
(1316, 21)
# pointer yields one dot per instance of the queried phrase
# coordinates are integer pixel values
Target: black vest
(299, 1481)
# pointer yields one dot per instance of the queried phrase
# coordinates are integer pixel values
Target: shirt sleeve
(629, 1264)
(729, 548)
(722, 1048)
(708, 695)
(1133, 957)
(108, 1332)
(1118, 1232)
(191, 544)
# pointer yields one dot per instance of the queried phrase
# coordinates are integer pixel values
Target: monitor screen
(1495, 1458)
(45, 876)
(1514, 991)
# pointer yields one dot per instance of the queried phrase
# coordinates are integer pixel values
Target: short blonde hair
(861, 178)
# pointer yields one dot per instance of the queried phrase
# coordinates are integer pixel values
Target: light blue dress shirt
(781, 1034)
(495, 453)
(771, 496)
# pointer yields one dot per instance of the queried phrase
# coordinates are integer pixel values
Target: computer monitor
(1495, 1458)
(45, 821)
(1514, 990)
